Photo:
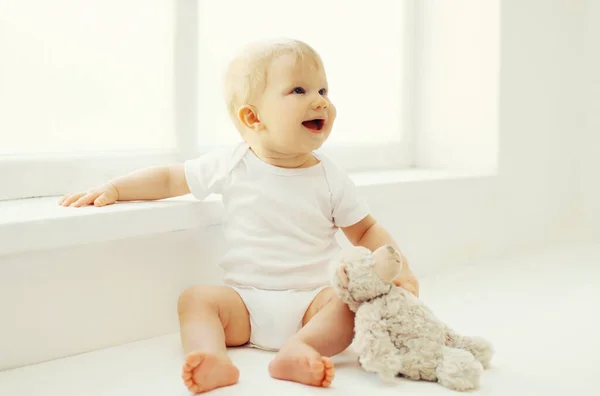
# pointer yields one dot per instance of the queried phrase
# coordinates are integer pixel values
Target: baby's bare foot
(204, 371)
(299, 362)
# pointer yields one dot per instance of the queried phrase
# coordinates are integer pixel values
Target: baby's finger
(69, 199)
(102, 200)
(85, 200)
(410, 288)
(63, 200)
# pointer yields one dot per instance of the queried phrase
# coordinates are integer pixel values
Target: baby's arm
(152, 183)
(371, 235)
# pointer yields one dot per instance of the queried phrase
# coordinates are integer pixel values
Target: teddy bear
(396, 334)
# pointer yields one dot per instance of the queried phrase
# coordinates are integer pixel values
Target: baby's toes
(329, 372)
(321, 371)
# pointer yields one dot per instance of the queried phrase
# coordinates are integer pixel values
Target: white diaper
(275, 315)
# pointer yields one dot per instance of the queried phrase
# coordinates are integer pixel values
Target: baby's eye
(323, 91)
(299, 90)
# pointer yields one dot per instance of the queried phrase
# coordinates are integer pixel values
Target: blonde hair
(246, 76)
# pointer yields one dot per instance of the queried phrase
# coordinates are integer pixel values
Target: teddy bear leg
(479, 347)
(416, 367)
(458, 370)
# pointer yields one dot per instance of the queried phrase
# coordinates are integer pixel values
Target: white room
(469, 127)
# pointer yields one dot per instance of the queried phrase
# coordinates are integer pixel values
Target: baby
(283, 205)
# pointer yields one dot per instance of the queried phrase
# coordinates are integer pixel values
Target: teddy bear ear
(387, 263)
(343, 275)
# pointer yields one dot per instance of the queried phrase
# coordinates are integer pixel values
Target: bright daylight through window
(85, 76)
(365, 66)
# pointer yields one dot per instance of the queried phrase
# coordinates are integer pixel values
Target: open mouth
(315, 125)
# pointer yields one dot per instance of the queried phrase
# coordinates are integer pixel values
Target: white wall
(589, 158)
(456, 97)
(65, 301)
(72, 300)
(538, 113)
(540, 122)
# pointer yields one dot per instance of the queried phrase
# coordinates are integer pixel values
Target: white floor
(537, 308)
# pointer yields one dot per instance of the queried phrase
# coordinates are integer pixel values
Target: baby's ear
(387, 263)
(343, 275)
(248, 116)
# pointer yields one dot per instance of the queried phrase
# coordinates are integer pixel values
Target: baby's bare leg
(328, 330)
(211, 318)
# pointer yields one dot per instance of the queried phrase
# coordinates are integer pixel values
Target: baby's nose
(320, 103)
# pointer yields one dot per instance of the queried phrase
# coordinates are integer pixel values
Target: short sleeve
(209, 173)
(348, 206)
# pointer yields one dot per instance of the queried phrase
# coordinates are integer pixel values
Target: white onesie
(280, 227)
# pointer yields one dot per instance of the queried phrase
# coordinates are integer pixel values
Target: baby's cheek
(332, 112)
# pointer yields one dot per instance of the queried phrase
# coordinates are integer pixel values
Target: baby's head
(276, 94)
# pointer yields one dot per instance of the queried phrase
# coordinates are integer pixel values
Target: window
(362, 48)
(90, 90)
(81, 76)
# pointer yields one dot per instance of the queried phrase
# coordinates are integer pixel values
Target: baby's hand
(407, 280)
(106, 194)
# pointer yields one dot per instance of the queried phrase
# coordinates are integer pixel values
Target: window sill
(40, 223)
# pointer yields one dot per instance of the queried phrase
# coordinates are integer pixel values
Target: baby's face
(295, 109)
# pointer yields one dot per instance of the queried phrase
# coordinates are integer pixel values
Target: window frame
(30, 176)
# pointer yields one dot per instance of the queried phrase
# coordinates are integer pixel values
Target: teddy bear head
(362, 275)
